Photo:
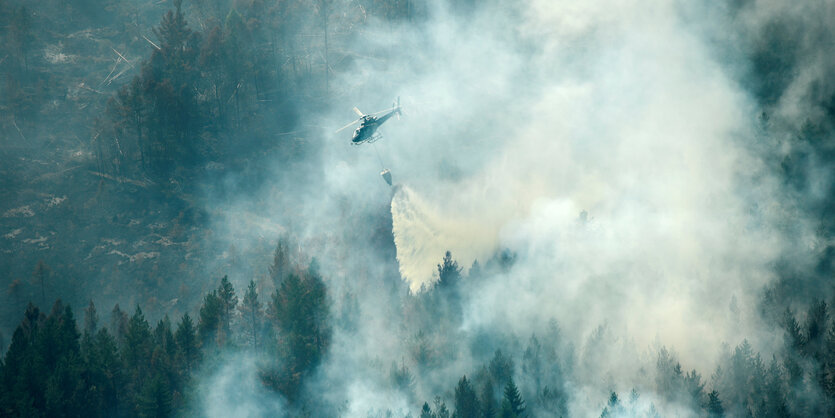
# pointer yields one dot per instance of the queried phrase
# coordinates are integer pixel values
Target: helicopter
(367, 131)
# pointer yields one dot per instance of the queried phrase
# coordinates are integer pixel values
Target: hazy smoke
(235, 390)
(421, 232)
(519, 117)
(612, 108)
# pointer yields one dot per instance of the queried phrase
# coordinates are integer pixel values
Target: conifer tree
(299, 311)
(514, 398)
(155, 399)
(449, 274)
(136, 355)
(187, 345)
(466, 402)
(118, 324)
(229, 303)
(488, 401)
(714, 405)
(426, 411)
(282, 265)
(251, 315)
(613, 408)
(91, 319)
(209, 325)
(501, 368)
(104, 375)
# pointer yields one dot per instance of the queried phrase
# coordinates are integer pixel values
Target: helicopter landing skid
(373, 139)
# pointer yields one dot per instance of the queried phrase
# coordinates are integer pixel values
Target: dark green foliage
(91, 319)
(214, 328)
(449, 274)
(252, 317)
(613, 408)
(188, 349)
(466, 401)
(118, 324)
(817, 319)
(441, 410)
(300, 314)
(501, 368)
(282, 264)
(401, 377)
(209, 327)
(513, 399)
(52, 370)
(229, 303)
(714, 405)
(426, 411)
(103, 375)
(155, 400)
(489, 409)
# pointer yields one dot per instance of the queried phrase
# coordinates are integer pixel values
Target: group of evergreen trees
(205, 94)
(131, 368)
(796, 381)
(471, 405)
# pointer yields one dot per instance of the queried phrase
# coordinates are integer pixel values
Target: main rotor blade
(388, 110)
(357, 111)
(342, 128)
(383, 111)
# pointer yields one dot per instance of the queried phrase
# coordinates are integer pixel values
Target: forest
(616, 209)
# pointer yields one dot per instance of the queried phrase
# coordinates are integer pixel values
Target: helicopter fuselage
(366, 132)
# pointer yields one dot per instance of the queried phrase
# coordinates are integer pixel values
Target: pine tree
(300, 314)
(694, 388)
(514, 398)
(817, 319)
(426, 411)
(795, 340)
(466, 402)
(441, 410)
(104, 374)
(282, 265)
(251, 315)
(229, 303)
(23, 373)
(714, 405)
(163, 357)
(209, 326)
(501, 368)
(138, 342)
(170, 82)
(118, 324)
(401, 377)
(155, 399)
(449, 274)
(488, 401)
(91, 319)
(136, 355)
(775, 405)
(613, 408)
(188, 350)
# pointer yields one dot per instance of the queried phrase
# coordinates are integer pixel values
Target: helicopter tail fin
(396, 106)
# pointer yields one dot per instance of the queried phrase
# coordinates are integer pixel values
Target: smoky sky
(518, 117)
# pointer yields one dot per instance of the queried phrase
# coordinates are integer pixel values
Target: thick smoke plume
(608, 146)
(610, 150)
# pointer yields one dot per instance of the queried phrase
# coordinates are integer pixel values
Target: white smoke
(422, 232)
(621, 112)
(235, 390)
